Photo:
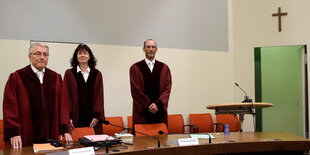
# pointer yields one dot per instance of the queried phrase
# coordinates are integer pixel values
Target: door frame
(258, 90)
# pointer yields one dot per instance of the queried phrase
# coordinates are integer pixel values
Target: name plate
(188, 141)
(82, 151)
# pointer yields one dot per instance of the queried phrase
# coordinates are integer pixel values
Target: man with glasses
(34, 109)
(150, 82)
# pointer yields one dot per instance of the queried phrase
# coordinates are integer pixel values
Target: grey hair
(37, 44)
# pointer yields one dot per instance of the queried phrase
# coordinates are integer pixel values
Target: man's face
(39, 57)
(150, 49)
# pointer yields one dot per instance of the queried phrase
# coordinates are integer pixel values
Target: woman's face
(83, 56)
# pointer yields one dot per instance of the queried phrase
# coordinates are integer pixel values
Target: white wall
(253, 26)
(199, 78)
(194, 24)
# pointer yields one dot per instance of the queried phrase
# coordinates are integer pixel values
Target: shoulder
(139, 63)
(161, 63)
(164, 66)
(69, 72)
(97, 72)
(52, 73)
(23, 70)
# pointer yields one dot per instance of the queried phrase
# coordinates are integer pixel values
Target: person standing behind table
(85, 89)
(34, 106)
(150, 82)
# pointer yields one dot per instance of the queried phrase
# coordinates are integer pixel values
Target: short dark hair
(148, 40)
(92, 62)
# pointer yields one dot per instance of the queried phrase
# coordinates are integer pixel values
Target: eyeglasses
(150, 46)
(39, 54)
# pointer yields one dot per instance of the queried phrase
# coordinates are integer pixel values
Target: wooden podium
(238, 108)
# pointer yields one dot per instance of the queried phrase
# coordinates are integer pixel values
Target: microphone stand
(246, 100)
(158, 141)
(246, 97)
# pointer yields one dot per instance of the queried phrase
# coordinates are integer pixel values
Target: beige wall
(253, 26)
(199, 78)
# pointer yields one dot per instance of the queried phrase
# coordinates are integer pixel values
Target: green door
(279, 80)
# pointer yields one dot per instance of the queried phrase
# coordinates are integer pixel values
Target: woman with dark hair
(85, 90)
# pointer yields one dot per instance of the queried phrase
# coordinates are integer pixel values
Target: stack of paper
(97, 138)
(126, 137)
(46, 147)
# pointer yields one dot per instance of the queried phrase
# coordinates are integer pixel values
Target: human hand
(94, 122)
(16, 142)
(68, 137)
(72, 126)
(153, 108)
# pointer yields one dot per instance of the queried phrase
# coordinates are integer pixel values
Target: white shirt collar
(79, 69)
(149, 62)
(85, 74)
(36, 70)
(40, 76)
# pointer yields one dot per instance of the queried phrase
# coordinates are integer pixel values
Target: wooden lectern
(238, 108)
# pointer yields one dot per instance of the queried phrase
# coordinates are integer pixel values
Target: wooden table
(238, 109)
(243, 142)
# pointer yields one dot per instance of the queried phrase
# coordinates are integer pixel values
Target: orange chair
(150, 129)
(129, 123)
(176, 123)
(111, 130)
(81, 132)
(1, 127)
(230, 119)
(3, 144)
(204, 122)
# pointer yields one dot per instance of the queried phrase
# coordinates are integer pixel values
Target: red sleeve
(165, 88)
(12, 123)
(67, 80)
(64, 119)
(98, 107)
(140, 100)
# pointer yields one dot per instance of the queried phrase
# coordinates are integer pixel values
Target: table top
(239, 142)
(240, 105)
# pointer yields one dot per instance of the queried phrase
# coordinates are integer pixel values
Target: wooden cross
(279, 14)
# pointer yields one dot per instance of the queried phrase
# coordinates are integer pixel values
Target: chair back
(81, 132)
(3, 144)
(129, 123)
(110, 129)
(230, 119)
(176, 123)
(150, 129)
(203, 121)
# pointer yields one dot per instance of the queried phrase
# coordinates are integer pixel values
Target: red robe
(85, 99)
(32, 110)
(150, 87)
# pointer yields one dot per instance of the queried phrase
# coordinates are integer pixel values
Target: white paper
(188, 141)
(82, 151)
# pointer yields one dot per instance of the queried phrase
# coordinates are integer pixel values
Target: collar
(148, 61)
(79, 69)
(36, 70)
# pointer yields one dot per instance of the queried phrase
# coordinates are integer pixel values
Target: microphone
(209, 138)
(246, 97)
(58, 143)
(108, 123)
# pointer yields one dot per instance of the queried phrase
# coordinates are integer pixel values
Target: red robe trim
(95, 103)
(29, 113)
(141, 99)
